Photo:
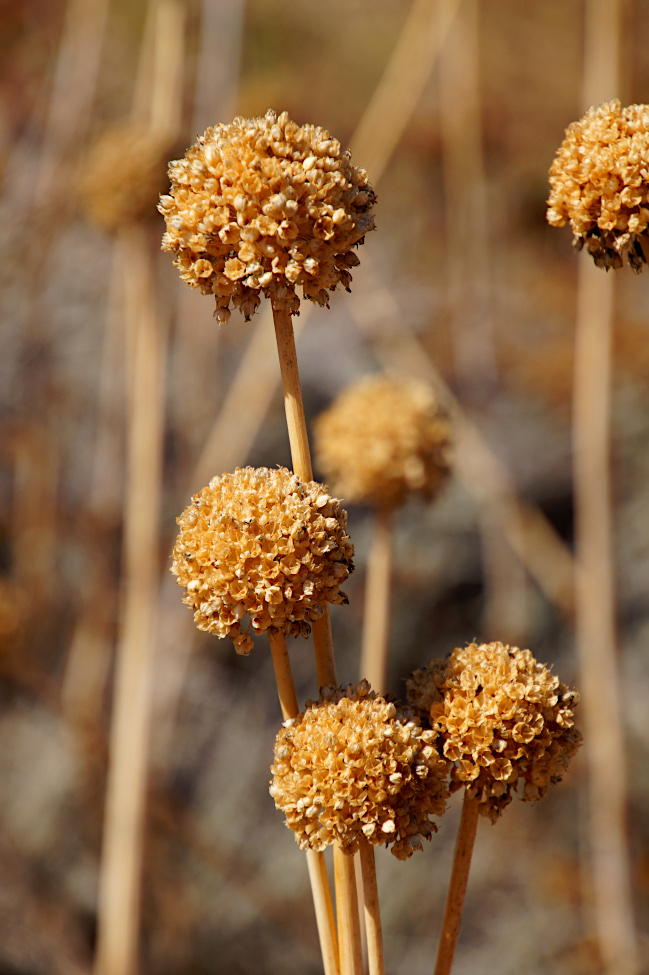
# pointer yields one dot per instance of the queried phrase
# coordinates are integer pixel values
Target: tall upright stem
(301, 456)
(595, 588)
(376, 617)
(283, 674)
(120, 879)
(322, 903)
(349, 930)
(595, 603)
(371, 910)
(457, 887)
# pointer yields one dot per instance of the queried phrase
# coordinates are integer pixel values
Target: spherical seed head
(501, 716)
(383, 439)
(265, 545)
(122, 177)
(356, 765)
(266, 206)
(600, 184)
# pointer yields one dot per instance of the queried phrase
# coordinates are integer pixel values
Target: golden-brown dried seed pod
(261, 545)
(501, 717)
(123, 176)
(356, 765)
(600, 184)
(263, 205)
(382, 439)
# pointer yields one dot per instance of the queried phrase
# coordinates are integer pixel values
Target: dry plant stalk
(120, 877)
(376, 613)
(457, 887)
(612, 229)
(349, 931)
(371, 909)
(124, 817)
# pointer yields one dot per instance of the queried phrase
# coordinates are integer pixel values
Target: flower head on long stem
(265, 545)
(264, 205)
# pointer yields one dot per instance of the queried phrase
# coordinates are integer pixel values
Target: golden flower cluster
(265, 205)
(382, 439)
(356, 765)
(501, 716)
(265, 545)
(123, 176)
(600, 183)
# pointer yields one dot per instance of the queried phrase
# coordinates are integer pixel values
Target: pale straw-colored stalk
(318, 879)
(376, 615)
(457, 887)
(120, 880)
(124, 822)
(374, 937)
(595, 590)
(345, 881)
(349, 930)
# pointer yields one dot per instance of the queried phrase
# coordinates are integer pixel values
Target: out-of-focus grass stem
(595, 591)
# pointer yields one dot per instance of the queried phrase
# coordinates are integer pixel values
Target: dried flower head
(382, 439)
(356, 765)
(501, 716)
(265, 545)
(123, 176)
(600, 183)
(265, 205)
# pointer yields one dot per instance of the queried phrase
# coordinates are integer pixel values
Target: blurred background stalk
(604, 736)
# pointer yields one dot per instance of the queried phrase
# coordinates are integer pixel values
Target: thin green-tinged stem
(457, 887)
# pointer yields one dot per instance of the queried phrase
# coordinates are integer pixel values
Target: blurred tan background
(463, 263)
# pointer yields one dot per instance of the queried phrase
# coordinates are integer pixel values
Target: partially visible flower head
(265, 545)
(501, 717)
(600, 184)
(356, 765)
(383, 439)
(265, 205)
(123, 176)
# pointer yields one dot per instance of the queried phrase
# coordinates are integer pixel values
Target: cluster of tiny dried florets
(600, 183)
(501, 716)
(382, 439)
(265, 545)
(123, 176)
(356, 765)
(265, 205)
